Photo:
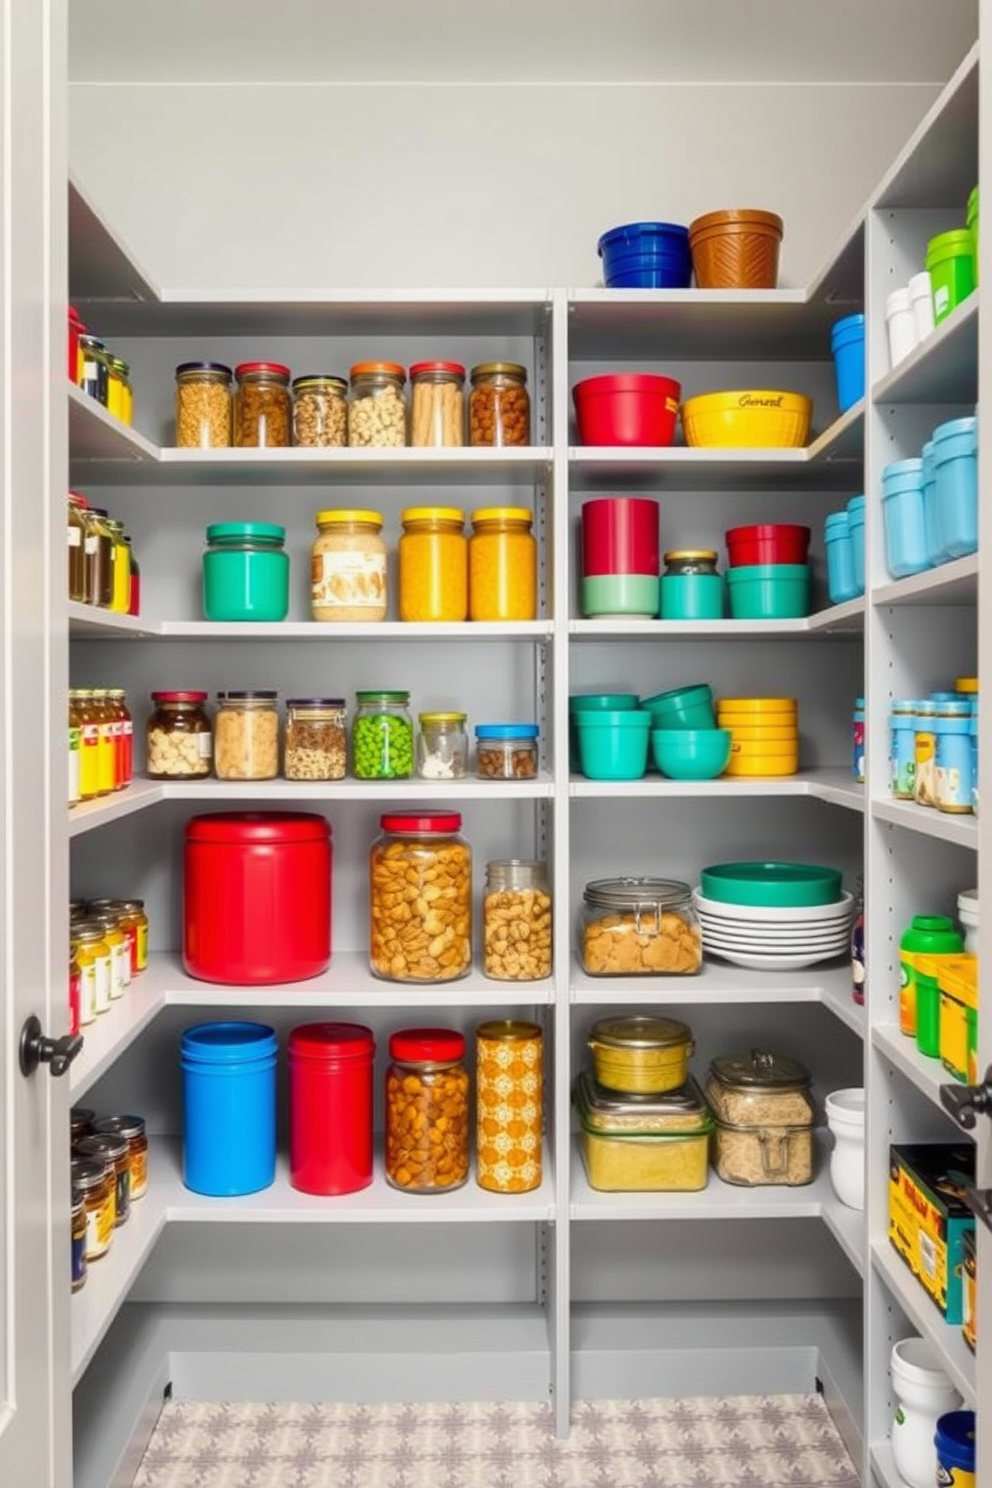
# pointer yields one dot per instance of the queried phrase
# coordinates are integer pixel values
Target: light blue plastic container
(856, 527)
(931, 516)
(840, 559)
(955, 460)
(229, 1107)
(847, 342)
(902, 512)
(902, 749)
(955, 783)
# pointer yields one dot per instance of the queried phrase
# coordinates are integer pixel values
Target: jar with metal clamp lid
(639, 927)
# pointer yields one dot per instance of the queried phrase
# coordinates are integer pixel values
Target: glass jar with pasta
(246, 736)
(437, 404)
(204, 407)
(420, 899)
(502, 565)
(348, 567)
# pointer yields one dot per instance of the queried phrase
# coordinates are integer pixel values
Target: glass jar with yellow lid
(442, 746)
(691, 588)
(502, 565)
(348, 567)
(377, 415)
(433, 564)
(499, 406)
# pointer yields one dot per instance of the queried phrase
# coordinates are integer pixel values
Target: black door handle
(967, 1102)
(36, 1049)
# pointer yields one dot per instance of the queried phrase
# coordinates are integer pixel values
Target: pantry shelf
(928, 1075)
(939, 164)
(961, 831)
(883, 1465)
(957, 1360)
(614, 324)
(97, 440)
(847, 1227)
(832, 784)
(296, 791)
(86, 622)
(591, 467)
(943, 368)
(101, 267)
(846, 619)
(89, 815)
(90, 623)
(954, 583)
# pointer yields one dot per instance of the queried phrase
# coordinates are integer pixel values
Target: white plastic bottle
(923, 1392)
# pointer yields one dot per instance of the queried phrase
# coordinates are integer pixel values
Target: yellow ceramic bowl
(763, 765)
(772, 735)
(758, 705)
(776, 749)
(749, 418)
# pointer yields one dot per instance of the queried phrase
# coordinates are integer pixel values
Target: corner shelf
(927, 821)
(956, 1358)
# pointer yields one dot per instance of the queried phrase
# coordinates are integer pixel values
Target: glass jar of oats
(203, 405)
(246, 736)
(377, 416)
(315, 745)
(426, 937)
(348, 567)
(764, 1119)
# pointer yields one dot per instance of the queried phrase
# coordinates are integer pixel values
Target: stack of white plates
(775, 939)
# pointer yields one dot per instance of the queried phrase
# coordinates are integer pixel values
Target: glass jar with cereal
(315, 746)
(246, 736)
(639, 927)
(320, 412)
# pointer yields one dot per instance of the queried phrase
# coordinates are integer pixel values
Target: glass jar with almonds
(316, 745)
(420, 898)
(516, 921)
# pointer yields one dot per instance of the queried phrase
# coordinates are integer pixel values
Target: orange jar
(509, 1106)
(433, 564)
(499, 406)
(502, 565)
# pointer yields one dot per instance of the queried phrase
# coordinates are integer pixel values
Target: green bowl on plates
(771, 885)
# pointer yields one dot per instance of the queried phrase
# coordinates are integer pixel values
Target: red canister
(330, 1107)
(620, 535)
(257, 897)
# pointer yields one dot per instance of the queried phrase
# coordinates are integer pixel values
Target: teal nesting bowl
(581, 702)
(613, 743)
(769, 591)
(682, 707)
(691, 754)
(771, 885)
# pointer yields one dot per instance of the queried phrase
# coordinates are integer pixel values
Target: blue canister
(646, 255)
(847, 342)
(925, 783)
(931, 516)
(955, 1443)
(229, 1107)
(858, 740)
(952, 727)
(840, 559)
(902, 512)
(245, 572)
(902, 750)
(955, 459)
(856, 527)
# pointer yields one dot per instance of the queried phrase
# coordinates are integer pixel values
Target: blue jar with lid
(902, 514)
(902, 749)
(840, 558)
(955, 462)
(856, 527)
(229, 1107)
(246, 572)
(506, 751)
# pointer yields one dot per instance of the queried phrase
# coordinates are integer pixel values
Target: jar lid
(120, 1126)
(511, 369)
(508, 1030)
(315, 703)
(228, 1042)
(80, 1114)
(426, 719)
(439, 821)
(185, 367)
(342, 1040)
(392, 369)
(503, 514)
(131, 904)
(82, 502)
(636, 893)
(348, 514)
(418, 368)
(760, 1070)
(249, 369)
(76, 1200)
(251, 695)
(320, 379)
(87, 1173)
(707, 554)
(87, 930)
(427, 1045)
(271, 531)
(110, 1146)
(93, 342)
(179, 697)
(257, 826)
(432, 514)
(639, 1031)
(382, 696)
(506, 730)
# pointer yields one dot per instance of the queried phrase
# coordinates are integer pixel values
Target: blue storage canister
(229, 1107)
(902, 750)
(952, 727)
(931, 516)
(955, 1443)
(847, 342)
(840, 560)
(955, 458)
(858, 740)
(856, 527)
(646, 255)
(902, 513)
(245, 572)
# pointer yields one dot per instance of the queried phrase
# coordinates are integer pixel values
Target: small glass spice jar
(111, 1149)
(204, 406)
(348, 567)
(691, 587)
(437, 404)
(499, 405)
(320, 411)
(95, 1181)
(509, 1081)
(178, 737)
(377, 414)
(442, 746)
(427, 1117)
(420, 899)
(263, 406)
(516, 921)
(315, 745)
(246, 736)
(506, 751)
(382, 736)
(133, 917)
(78, 1239)
(130, 1129)
(639, 927)
(502, 565)
(433, 564)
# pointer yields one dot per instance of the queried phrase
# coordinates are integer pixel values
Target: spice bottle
(78, 1239)
(130, 1129)
(427, 1089)
(516, 921)
(99, 553)
(902, 749)
(263, 406)
(93, 958)
(925, 753)
(442, 746)
(499, 405)
(320, 412)
(502, 565)
(348, 567)
(94, 370)
(437, 414)
(433, 564)
(509, 1106)
(204, 406)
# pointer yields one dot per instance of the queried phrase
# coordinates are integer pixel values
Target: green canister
(950, 262)
(928, 936)
(246, 572)
(691, 588)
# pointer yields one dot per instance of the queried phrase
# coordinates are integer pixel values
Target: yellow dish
(750, 418)
(786, 765)
(741, 734)
(744, 749)
(758, 705)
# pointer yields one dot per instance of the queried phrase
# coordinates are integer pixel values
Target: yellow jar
(509, 1105)
(640, 1054)
(433, 564)
(117, 388)
(120, 598)
(348, 567)
(94, 957)
(96, 1181)
(502, 565)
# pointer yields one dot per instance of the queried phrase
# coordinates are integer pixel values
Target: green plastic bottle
(928, 935)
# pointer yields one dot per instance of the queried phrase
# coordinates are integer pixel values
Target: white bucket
(900, 325)
(968, 915)
(924, 1392)
(846, 1120)
(921, 296)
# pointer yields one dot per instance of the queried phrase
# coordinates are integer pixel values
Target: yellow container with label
(958, 981)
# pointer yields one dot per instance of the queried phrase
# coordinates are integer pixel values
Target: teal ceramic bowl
(633, 596)
(771, 885)
(691, 754)
(768, 591)
(682, 707)
(613, 745)
(581, 702)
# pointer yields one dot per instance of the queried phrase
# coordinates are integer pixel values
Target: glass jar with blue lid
(506, 751)
(246, 572)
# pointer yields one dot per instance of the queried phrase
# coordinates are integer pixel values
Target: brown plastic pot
(736, 249)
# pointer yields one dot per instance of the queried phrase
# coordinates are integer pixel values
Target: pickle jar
(320, 411)
(263, 406)
(93, 956)
(94, 1178)
(95, 372)
(246, 736)
(508, 1105)
(178, 737)
(112, 1149)
(204, 406)
(499, 405)
(426, 935)
(764, 1117)
(78, 1238)
(427, 1111)
(130, 1129)
(442, 746)
(433, 564)
(76, 541)
(502, 565)
(437, 404)
(639, 927)
(377, 415)
(382, 736)
(316, 746)
(348, 567)
(516, 921)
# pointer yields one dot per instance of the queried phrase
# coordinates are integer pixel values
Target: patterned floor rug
(740, 1441)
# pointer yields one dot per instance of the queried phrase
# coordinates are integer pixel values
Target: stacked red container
(620, 548)
(330, 1107)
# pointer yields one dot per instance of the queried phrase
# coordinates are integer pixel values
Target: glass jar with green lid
(691, 587)
(382, 736)
(320, 411)
(499, 405)
(246, 572)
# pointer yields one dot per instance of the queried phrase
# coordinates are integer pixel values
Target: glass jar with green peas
(382, 736)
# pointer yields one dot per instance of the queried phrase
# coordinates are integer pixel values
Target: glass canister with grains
(204, 406)
(764, 1117)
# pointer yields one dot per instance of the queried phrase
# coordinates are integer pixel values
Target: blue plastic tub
(902, 512)
(955, 1443)
(646, 255)
(229, 1107)
(931, 516)
(955, 460)
(840, 559)
(847, 342)
(856, 527)
(953, 759)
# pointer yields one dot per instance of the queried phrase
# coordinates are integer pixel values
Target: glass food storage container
(764, 1119)
(437, 399)
(348, 567)
(112, 1151)
(204, 406)
(178, 737)
(426, 936)
(427, 1120)
(377, 415)
(499, 405)
(442, 746)
(639, 1053)
(516, 921)
(76, 541)
(433, 564)
(509, 1105)
(382, 736)
(502, 565)
(246, 736)
(506, 751)
(643, 1143)
(316, 745)
(98, 549)
(320, 412)
(639, 927)
(263, 406)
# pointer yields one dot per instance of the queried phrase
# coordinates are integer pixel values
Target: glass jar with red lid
(428, 937)
(330, 1107)
(437, 404)
(178, 737)
(263, 406)
(427, 1089)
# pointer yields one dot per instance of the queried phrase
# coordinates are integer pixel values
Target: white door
(35, 1395)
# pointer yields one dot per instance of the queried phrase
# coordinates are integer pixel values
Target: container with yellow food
(643, 1143)
(640, 1054)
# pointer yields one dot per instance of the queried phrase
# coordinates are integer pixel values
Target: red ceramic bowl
(627, 408)
(767, 542)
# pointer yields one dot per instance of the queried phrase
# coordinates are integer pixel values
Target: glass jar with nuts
(246, 736)
(639, 927)
(516, 921)
(377, 416)
(420, 899)
(437, 412)
(178, 738)
(499, 406)
(263, 408)
(427, 1118)
(320, 412)
(506, 751)
(315, 746)
(203, 405)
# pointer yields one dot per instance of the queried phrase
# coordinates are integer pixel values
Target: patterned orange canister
(509, 1106)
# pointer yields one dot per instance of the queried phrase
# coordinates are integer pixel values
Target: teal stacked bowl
(769, 591)
(682, 707)
(613, 743)
(691, 754)
(597, 702)
(771, 885)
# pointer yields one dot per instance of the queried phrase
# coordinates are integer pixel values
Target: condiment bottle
(928, 935)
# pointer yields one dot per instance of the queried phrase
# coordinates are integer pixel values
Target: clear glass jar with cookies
(639, 927)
